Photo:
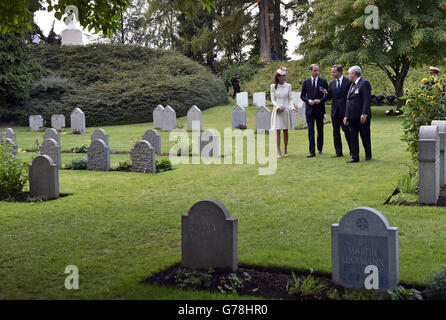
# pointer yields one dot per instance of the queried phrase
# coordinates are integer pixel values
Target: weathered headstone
(51, 148)
(158, 117)
(169, 119)
(100, 134)
(238, 116)
(36, 122)
(143, 157)
(441, 124)
(154, 139)
(259, 99)
(9, 144)
(58, 122)
(263, 119)
(299, 105)
(209, 144)
(8, 133)
(52, 134)
(98, 156)
(194, 114)
(364, 251)
(44, 178)
(429, 164)
(77, 121)
(209, 237)
(241, 99)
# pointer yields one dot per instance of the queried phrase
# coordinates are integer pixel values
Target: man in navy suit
(337, 92)
(313, 96)
(358, 113)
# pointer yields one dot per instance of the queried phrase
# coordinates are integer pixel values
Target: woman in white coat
(281, 117)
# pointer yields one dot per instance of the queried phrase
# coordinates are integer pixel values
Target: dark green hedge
(116, 84)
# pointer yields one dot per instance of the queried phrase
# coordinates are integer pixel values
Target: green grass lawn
(119, 228)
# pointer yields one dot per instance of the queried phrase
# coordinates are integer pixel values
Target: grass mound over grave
(116, 84)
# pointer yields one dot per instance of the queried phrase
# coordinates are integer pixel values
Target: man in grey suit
(358, 113)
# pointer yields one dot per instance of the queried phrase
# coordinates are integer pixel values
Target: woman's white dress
(282, 97)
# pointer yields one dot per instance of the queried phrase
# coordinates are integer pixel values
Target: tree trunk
(398, 79)
(277, 31)
(264, 31)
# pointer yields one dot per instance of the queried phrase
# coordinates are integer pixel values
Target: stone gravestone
(194, 114)
(77, 121)
(36, 122)
(263, 119)
(259, 99)
(364, 246)
(9, 144)
(169, 119)
(44, 178)
(238, 116)
(209, 237)
(299, 105)
(52, 134)
(158, 117)
(143, 157)
(100, 134)
(241, 99)
(51, 148)
(98, 156)
(209, 144)
(429, 164)
(441, 124)
(8, 133)
(154, 139)
(58, 122)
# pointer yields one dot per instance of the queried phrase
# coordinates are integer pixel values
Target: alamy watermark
(372, 21)
(72, 281)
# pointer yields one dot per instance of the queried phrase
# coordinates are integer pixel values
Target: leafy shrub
(194, 279)
(163, 165)
(305, 286)
(404, 198)
(79, 149)
(13, 173)
(246, 71)
(232, 282)
(363, 294)
(436, 288)
(408, 183)
(78, 164)
(400, 293)
(423, 104)
(124, 166)
(117, 84)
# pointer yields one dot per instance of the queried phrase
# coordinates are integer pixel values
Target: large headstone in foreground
(158, 117)
(154, 139)
(263, 119)
(98, 156)
(44, 178)
(194, 115)
(58, 122)
(241, 99)
(429, 164)
(77, 119)
(259, 99)
(51, 148)
(441, 124)
(209, 237)
(36, 122)
(364, 250)
(238, 116)
(143, 157)
(169, 119)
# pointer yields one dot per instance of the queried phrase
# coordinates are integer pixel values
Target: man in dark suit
(358, 113)
(313, 96)
(337, 92)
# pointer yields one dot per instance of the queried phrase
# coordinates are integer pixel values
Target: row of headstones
(263, 118)
(165, 119)
(77, 118)
(364, 246)
(259, 99)
(432, 161)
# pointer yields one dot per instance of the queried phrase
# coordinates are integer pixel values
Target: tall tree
(264, 30)
(409, 33)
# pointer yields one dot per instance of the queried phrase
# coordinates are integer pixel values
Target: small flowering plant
(423, 104)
